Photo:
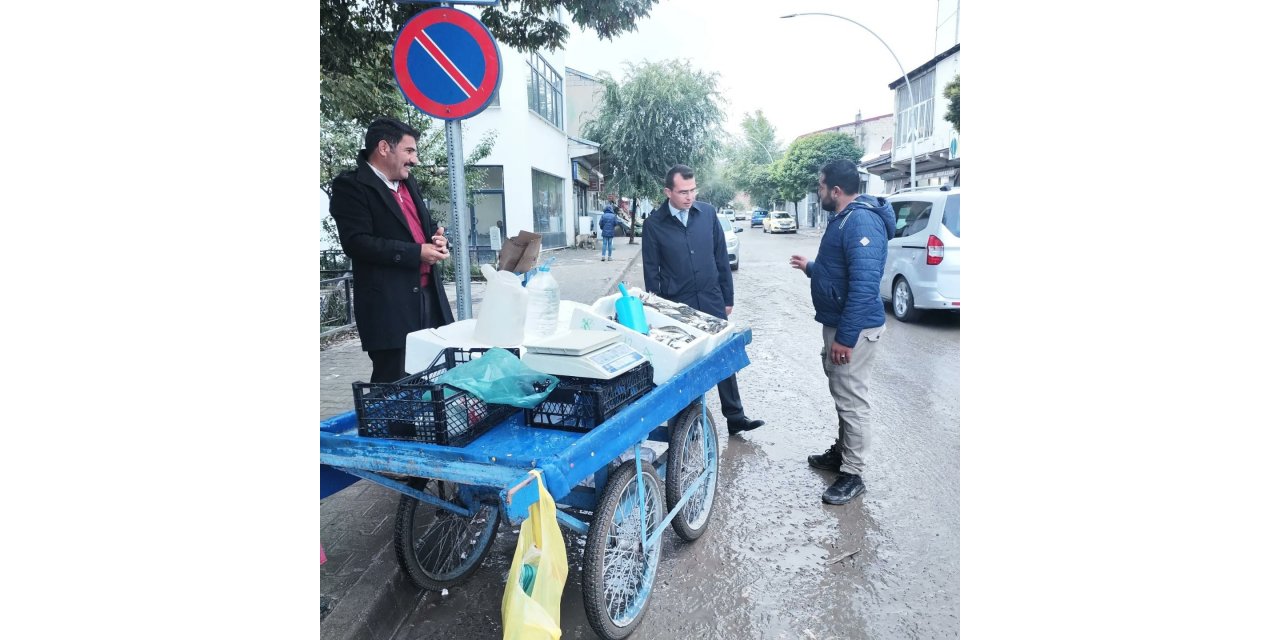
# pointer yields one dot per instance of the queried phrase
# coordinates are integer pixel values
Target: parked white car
(730, 239)
(922, 270)
(778, 222)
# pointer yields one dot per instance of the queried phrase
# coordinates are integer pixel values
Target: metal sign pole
(461, 221)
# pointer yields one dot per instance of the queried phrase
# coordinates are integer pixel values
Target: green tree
(660, 114)
(748, 161)
(952, 93)
(713, 187)
(797, 172)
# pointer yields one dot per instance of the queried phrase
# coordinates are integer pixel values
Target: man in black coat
(386, 231)
(686, 261)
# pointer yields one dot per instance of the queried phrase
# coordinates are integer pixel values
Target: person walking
(686, 260)
(845, 287)
(608, 222)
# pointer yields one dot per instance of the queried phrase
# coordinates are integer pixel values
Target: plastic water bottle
(543, 317)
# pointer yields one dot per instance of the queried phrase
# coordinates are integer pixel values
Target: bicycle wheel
(617, 572)
(694, 447)
(436, 547)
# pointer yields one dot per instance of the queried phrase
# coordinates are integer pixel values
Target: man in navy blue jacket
(845, 286)
(608, 221)
(686, 260)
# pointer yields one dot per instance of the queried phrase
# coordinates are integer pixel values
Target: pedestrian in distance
(686, 260)
(608, 222)
(844, 281)
(386, 230)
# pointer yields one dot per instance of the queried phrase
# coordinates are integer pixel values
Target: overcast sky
(805, 73)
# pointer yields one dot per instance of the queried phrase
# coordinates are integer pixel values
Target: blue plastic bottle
(630, 312)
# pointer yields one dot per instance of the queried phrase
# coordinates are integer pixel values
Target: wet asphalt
(777, 562)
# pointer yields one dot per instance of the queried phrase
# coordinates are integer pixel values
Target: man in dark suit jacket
(386, 231)
(686, 261)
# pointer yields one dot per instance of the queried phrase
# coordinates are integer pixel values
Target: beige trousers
(848, 385)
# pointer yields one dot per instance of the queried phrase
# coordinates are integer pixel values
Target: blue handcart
(453, 497)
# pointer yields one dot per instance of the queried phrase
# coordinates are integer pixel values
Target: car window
(912, 217)
(779, 216)
(951, 214)
(724, 222)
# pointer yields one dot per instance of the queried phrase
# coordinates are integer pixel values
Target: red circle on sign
(489, 51)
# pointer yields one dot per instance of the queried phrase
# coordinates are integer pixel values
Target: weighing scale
(582, 353)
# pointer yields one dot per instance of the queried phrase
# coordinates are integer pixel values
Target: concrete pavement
(363, 593)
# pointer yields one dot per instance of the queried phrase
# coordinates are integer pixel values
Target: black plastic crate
(448, 415)
(582, 404)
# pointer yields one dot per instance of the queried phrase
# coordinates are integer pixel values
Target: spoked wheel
(694, 447)
(439, 548)
(617, 573)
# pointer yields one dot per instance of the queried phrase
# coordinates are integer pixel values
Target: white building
(923, 122)
(530, 180)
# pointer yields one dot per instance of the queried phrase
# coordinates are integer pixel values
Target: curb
(621, 274)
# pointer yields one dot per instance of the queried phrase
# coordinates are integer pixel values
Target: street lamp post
(910, 95)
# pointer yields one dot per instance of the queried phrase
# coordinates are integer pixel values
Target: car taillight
(933, 251)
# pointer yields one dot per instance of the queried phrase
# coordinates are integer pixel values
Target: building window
(546, 90)
(548, 209)
(914, 122)
(488, 212)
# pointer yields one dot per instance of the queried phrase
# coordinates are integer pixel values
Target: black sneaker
(828, 461)
(846, 487)
(745, 424)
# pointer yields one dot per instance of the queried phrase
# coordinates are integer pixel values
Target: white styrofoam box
(604, 307)
(567, 307)
(422, 347)
(666, 361)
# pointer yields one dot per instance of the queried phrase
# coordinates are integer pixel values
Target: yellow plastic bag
(535, 613)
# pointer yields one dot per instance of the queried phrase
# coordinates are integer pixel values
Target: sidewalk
(363, 593)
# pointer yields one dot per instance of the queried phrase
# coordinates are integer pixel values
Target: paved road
(762, 570)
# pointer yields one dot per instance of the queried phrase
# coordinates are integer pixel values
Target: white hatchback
(922, 270)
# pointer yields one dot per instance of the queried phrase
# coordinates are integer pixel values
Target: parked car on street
(758, 216)
(739, 215)
(922, 269)
(779, 222)
(730, 239)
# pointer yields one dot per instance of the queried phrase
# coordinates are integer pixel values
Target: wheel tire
(903, 302)
(421, 545)
(764, 229)
(611, 538)
(692, 447)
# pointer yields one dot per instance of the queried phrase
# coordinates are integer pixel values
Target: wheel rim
(900, 296)
(697, 455)
(628, 569)
(444, 542)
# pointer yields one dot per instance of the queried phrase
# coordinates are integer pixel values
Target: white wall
(948, 33)
(524, 142)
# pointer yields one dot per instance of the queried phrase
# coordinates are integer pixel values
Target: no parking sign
(447, 64)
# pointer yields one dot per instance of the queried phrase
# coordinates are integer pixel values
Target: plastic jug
(502, 312)
(543, 316)
(630, 311)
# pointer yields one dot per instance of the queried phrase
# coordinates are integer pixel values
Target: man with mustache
(386, 231)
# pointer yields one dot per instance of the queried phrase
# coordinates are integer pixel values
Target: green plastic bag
(498, 377)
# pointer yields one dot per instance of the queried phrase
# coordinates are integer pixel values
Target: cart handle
(516, 489)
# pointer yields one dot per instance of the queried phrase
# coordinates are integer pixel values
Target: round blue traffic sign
(447, 64)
